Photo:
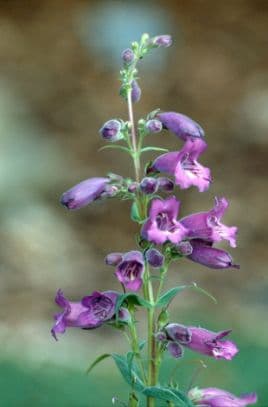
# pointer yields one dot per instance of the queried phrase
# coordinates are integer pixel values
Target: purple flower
(89, 313)
(165, 184)
(113, 259)
(110, 131)
(84, 193)
(154, 126)
(162, 224)
(127, 56)
(154, 258)
(181, 125)
(207, 225)
(203, 341)
(204, 253)
(136, 91)
(130, 270)
(162, 41)
(149, 185)
(213, 397)
(183, 165)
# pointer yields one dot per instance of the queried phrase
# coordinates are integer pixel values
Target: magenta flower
(207, 225)
(202, 341)
(183, 165)
(130, 270)
(84, 193)
(181, 125)
(213, 397)
(89, 313)
(162, 224)
(204, 253)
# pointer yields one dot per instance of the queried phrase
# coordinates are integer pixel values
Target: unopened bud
(113, 259)
(127, 56)
(162, 41)
(154, 126)
(149, 185)
(110, 131)
(165, 184)
(154, 258)
(133, 187)
(136, 91)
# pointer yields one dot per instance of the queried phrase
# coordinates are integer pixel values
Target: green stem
(136, 153)
(135, 345)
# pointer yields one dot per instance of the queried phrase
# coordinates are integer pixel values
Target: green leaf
(129, 375)
(169, 295)
(97, 361)
(165, 393)
(134, 213)
(118, 147)
(132, 298)
(151, 148)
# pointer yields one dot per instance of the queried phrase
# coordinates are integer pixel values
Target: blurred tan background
(59, 70)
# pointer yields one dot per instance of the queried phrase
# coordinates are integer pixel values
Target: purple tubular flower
(110, 131)
(136, 91)
(211, 343)
(127, 56)
(154, 126)
(183, 165)
(204, 253)
(162, 224)
(165, 184)
(130, 270)
(207, 225)
(149, 185)
(162, 41)
(181, 125)
(154, 258)
(84, 193)
(89, 313)
(113, 259)
(213, 397)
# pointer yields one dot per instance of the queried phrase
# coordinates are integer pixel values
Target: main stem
(136, 153)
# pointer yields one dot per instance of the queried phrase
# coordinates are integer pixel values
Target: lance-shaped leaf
(166, 298)
(97, 361)
(129, 375)
(165, 393)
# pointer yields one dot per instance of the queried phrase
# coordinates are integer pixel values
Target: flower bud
(181, 125)
(127, 56)
(113, 259)
(136, 91)
(154, 126)
(185, 248)
(133, 187)
(84, 193)
(149, 185)
(165, 184)
(110, 131)
(154, 258)
(160, 336)
(162, 41)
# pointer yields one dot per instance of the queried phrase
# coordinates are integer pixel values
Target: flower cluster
(163, 238)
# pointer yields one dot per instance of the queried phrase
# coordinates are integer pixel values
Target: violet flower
(110, 131)
(154, 126)
(162, 224)
(89, 313)
(183, 165)
(203, 253)
(213, 397)
(84, 193)
(130, 270)
(207, 225)
(181, 125)
(136, 91)
(203, 341)
(154, 258)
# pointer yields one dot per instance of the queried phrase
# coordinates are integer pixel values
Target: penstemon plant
(162, 239)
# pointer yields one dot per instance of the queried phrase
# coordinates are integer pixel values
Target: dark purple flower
(165, 184)
(127, 56)
(110, 131)
(207, 225)
(149, 185)
(154, 126)
(113, 259)
(162, 224)
(136, 91)
(183, 165)
(89, 313)
(204, 253)
(154, 258)
(213, 397)
(130, 270)
(175, 349)
(181, 125)
(84, 193)
(203, 341)
(162, 41)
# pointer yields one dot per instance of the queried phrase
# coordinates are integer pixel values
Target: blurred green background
(59, 64)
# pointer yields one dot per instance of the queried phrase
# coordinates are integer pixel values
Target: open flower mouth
(164, 223)
(101, 307)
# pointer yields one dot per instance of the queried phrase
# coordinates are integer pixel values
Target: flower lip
(214, 397)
